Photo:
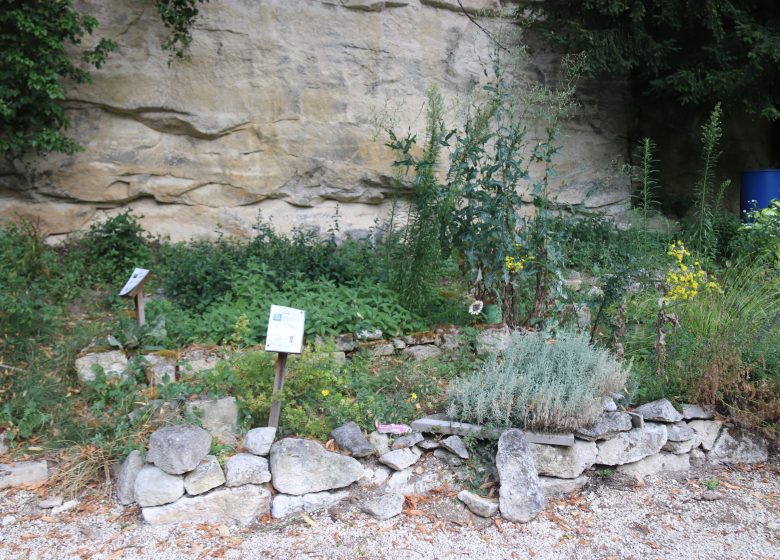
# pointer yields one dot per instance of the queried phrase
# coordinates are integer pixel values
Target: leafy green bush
(761, 235)
(540, 382)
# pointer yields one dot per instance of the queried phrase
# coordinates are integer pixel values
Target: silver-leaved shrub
(538, 383)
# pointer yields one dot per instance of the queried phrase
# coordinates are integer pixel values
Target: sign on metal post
(134, 288)
(285, 336)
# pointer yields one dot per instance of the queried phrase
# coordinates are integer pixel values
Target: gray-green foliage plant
(539, 383)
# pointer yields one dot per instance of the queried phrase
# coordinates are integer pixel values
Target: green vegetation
(540, 382)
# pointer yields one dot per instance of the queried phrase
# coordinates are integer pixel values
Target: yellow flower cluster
(685, 282)
(514, 265)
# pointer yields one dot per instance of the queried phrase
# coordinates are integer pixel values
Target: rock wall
(276, 112)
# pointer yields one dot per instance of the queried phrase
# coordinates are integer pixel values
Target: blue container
(759, 188)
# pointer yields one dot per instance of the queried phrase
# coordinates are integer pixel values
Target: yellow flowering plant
(687, 280)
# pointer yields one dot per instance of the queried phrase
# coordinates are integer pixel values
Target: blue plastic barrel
(759, 188)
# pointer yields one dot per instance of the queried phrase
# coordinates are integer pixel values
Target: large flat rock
(564, 462)
(300, 466)
(629, 447)
(242, 505)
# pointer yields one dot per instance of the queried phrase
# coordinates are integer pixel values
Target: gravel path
(665, 517)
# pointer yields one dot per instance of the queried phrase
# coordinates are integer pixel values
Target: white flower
(476, 307)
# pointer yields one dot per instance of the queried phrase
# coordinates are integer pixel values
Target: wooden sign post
(285, 336)
(134, 288)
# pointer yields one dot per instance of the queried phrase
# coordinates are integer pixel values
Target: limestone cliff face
(277, 111)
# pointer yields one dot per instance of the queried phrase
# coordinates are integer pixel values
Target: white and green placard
(285, 330)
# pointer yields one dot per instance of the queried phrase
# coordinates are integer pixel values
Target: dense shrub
(539, 383)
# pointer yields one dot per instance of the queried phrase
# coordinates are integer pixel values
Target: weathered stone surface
(245, 468)
(160, 140)
(380, 442)
(629, 447)
(155, 487)
(707, 431)
(738, 445)
(428, 444)
(561, 486)
(609, 405)
(493, 340)
(345, 342)
(384, 506)
(3, 445)
(679, 432)
(659, 411)
(607, 426)
(408, 440)
(654, 464)
(425, 337)
(114, 364)
(484, 507)
(241, 505)
(454, 444)
(410, 483)
(301, 467)
(23, 472)
(520, 494)
(126, 475)
(178, 449)
(375, 334)
(698, 457)
(160, 369)
(399, 459)
(350, 437)
(258, 441)
(697, 412)
(449, 458)
(206, 476)
(284, 504)
(381, 348)
(564, 462)
(418, 353)
(196, 360)
(375, 475)
(440, 424)
(218, 417)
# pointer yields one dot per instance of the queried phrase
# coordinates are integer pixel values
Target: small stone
(154, 487)
(520, 494)
(126, 475)
(680, 447)
(375, 475)
(654, 464)
(659, 411)
(51, 502)
(399, 459)
(243, 505)
(484, 507)
(376, 334)
(399, 344)
(178, 449)
(629, 447)
(114, 364)
(697, 457)
(350, 437)
(609, 425)
(197, 360)
(284, 504)
(384, 506)
(493, 340)
(707, 431)
(258, 441)
(455, 445)
(159, 369)
(301, 466)
(380, 442)
(448, 458)
(564, 462)
(428, 444)
(710, 496)
(3, 446)
(345, 342)
(206, 476)
(23, 472)
(380, 348)
(679, 432)
(245, 468)
(408, 440)
(62, 508)
(738, 445)
(552, 487)
(697, 412)
(219, 417)
(419, 353)
(609, 405)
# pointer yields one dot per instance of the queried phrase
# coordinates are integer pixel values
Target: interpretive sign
(134, 288)
(285, 330)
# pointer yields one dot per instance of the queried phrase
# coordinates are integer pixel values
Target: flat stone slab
(350, 437)
(440, 424)
(609, 425)
(399, 459)
(241, 505)
(659, 411)
(408, 440)
(629, 447)
(654, 464)
(564, 462)
(484, 507)
(285, 504)
(25, 472)
(301, 466)
(206, 476)
(113, 363)
(455, 445)
(155, 487)
(552, 487)
(245, 468)
(698, 412)
(384, 506)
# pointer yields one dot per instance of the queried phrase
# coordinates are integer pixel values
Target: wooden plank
(440, 424)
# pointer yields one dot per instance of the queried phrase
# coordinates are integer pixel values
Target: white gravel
(668, 517)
